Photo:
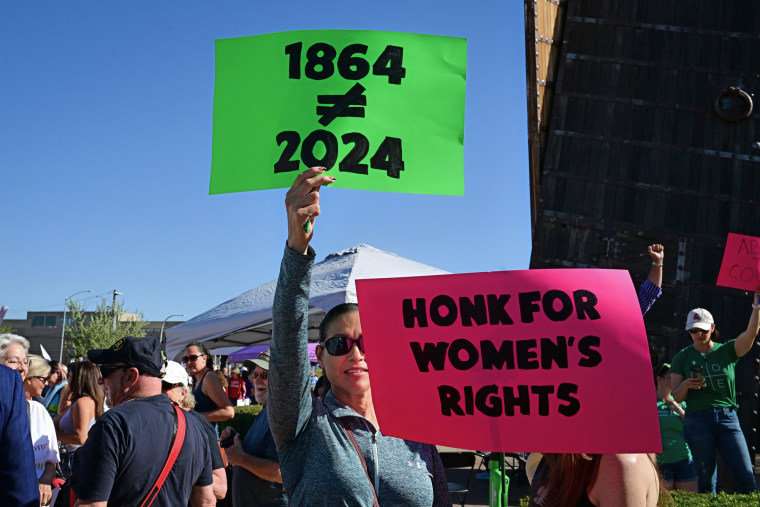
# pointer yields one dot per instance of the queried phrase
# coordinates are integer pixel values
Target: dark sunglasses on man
(107, 369)
(340, 345)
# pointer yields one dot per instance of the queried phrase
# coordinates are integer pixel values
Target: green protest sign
(381, 110)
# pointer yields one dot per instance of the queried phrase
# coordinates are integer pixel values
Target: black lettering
(319, 55)
(435, 310)
(471, 351)
(593, 357)
(330, 142)
(430, 354)
(527, 359)
(497, 313)
(294, 61)
(291, 140)
(543, 393)
(585, 301)
(351, 163)
(565, 392)
(350, 66)
(411, 313)
(743, 246)
(552, 352)
(488, 402)
(390, 63)
(493, 358)
(449, 397)
(528, 305)
(389, 157)
(473, 310)
(565, 310)
(511, 401)
(469, 405)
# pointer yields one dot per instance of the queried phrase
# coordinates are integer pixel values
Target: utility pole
(113, 307)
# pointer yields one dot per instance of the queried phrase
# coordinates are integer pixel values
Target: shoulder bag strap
(375, 502)
(177, 440)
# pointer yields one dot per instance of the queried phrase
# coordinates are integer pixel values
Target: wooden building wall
(630, 149)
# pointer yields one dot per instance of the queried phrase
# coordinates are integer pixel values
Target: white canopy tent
(247, 319)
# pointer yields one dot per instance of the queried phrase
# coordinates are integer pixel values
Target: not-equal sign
(349, 105)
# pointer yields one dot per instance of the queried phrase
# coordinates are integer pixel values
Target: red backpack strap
(177, 441)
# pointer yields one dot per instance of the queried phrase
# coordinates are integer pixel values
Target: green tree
(6, 328)
(96, 330)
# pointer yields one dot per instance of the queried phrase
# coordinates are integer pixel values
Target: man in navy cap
(128, 446)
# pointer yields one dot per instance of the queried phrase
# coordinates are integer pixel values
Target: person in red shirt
(236, 387)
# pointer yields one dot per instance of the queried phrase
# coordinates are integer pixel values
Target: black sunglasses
(106, 370)
(194, 357)
(340, 345)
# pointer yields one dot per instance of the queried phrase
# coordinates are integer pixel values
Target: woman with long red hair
(617, 480)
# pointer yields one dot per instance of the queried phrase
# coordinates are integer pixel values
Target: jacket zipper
(374, 455)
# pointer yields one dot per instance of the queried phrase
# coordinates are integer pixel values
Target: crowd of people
(127, 427)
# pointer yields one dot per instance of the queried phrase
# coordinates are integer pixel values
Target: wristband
(655, 264)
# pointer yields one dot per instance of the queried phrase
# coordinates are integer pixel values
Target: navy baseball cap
(143, 353)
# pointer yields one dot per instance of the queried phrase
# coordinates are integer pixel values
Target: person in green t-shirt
(703, 375)
(675, 463)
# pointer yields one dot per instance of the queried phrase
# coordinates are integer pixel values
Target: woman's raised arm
(289, 394)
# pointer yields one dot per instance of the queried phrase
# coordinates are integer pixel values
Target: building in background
(44, 328)
(642, 129)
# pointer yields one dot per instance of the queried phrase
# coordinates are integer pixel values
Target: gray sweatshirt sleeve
(289, 400)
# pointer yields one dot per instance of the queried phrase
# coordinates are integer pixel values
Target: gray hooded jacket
(319, 464)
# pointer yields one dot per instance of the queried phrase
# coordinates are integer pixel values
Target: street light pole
(63, 322)
(113, 307)
(161, 336)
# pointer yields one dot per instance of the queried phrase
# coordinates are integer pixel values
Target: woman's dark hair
(661, 371)
(334, 313)
(84, 382)
(73, 367)
(570, 475)
(203, 350)
(322, 386)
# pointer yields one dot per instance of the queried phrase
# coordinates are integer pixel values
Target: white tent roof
(247, 319)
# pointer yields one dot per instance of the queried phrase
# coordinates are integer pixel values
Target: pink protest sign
(740, 268)
(538, 360)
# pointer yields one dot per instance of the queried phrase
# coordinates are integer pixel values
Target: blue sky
(105, 153)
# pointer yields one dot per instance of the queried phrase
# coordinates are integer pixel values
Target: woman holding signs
(332, 450)
(702, 374)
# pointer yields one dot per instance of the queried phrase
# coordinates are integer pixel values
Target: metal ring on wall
(733, 104)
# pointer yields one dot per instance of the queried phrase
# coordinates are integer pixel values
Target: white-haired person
(702, 374)
(44, 439)
(18, 480)
(256, 479)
